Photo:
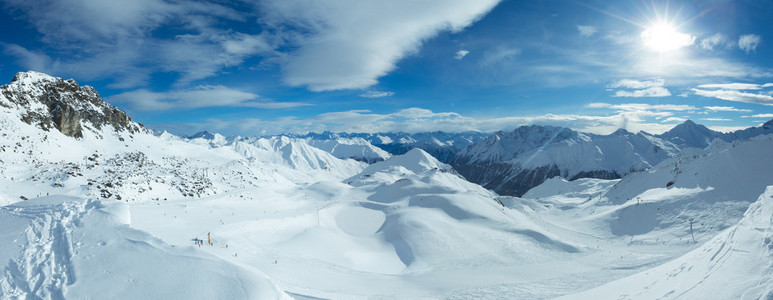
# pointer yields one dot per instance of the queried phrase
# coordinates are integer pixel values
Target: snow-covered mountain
(355, 148)
(748, 133)
(690, 135)
(511, 163)
(441, 145)
(49, 102)
(119, 212)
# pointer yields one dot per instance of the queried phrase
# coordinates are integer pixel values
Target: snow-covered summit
(690, 134)
(504, 146)
(51, 102)
(416, 161)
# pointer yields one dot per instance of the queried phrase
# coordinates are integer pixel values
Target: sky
(279, 66)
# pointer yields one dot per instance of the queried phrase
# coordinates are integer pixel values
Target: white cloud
(644, 88)
(732, 86)
(461, 54)
(642, 106)
(648, 92)
(586, 31)
(726, 108)
(713, 41)
(338, 49)
(761, 116)
(114, 39)
(376, 94)
(734, 95)
(423, 120)
(202, 96)
(499, 55)
(749, 42)
(637, 84)
(673, 119)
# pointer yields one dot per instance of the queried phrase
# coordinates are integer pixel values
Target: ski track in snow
(43, 268)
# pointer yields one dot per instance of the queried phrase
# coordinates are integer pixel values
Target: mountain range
(92, 203)
(511, 163)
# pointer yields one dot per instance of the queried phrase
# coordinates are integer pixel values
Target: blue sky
(273, 66)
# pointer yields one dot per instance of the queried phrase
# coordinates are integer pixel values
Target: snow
(73, 248)
(355, 148)
(114, 214)
(736, 264)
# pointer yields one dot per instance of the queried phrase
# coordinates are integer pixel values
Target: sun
(664, 37)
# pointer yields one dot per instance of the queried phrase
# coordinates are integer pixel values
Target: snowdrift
(62, 247)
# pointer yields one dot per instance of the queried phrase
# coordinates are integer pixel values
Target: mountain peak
(690, 134)
(621, 131)
(416, 161)
(768, 124)
(202, 134)
(51, 102)
(30, 77)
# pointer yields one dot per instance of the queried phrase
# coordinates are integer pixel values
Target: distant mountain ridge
(511, 163)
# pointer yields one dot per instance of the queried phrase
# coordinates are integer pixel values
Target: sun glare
(663, 37)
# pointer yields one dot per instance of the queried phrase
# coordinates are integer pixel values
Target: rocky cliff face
(52, 102)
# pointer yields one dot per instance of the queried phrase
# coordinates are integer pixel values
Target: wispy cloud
(376, 94)
(734, 86)
(461, 54)
(499, 55)
(642, 106)
(421, 120)
(749, 42)
(716, 40)
(115, 40)
(201, 96)
(736, 92)
(645, 88)
(673, 119)
(332, 54)
(586, 31)
(759, 116)
(313, 42)
(726, 108)
(734, 95)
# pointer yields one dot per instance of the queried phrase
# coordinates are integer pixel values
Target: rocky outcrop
(51, 102)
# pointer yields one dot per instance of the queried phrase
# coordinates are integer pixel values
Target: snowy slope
(736, 264)
(713, 187)
(61, 248)
(297, 154)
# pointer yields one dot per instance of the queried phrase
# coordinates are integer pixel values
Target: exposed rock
(52, 102)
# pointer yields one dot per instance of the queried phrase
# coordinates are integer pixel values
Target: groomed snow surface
(288, 220)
